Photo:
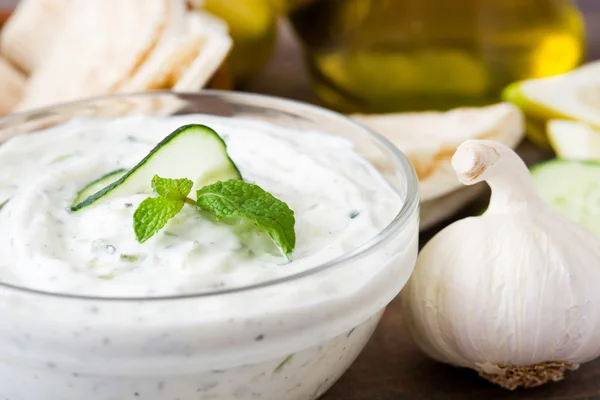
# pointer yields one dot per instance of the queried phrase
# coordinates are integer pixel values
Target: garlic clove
(485, 160)
(513, 293)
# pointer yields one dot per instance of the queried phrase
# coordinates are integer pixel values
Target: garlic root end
(529, 376)
(472, 159)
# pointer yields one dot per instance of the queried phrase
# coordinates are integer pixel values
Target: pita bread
(177, 57)
(214, 46)
(28, 33)
(100, 47)
(429, 139)
(13, 86)
(164, 63)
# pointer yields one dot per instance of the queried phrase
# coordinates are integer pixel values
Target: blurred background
(367, 57)
(399, 55)
(396, 56)
(381, 56)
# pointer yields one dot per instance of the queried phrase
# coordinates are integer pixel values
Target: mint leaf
(236, 198)
(233, 198)
(172, 188)
(153, 213)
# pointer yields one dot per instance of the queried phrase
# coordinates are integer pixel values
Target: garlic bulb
(514, 293)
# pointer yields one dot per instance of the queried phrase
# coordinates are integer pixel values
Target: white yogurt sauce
(340, 202)
(286, 341)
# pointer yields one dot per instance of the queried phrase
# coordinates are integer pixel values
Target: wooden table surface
(391, 366)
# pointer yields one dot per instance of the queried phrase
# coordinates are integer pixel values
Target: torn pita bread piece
(29, 33)
(214, 46)
(429, 139)
(12, 82)
(187, 60)
(100, 47)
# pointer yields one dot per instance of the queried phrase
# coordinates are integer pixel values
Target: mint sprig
(236, 198)
(153, 213)
(232, 198)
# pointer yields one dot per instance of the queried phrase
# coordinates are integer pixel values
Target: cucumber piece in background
(573, 188)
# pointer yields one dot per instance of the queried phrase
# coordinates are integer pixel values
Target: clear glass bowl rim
(409, 207)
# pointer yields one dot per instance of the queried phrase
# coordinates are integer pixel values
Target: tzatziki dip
(171, 317)
(339, 200)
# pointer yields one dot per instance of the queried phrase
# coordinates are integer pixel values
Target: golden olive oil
(401, 55)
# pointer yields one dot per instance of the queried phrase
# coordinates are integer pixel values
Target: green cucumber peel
(203, 155)
(95, 186)
(196, 152)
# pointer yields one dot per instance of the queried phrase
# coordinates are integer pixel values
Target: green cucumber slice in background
(572, 188)
(195, 152)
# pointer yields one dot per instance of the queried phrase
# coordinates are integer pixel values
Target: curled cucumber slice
(195, 152)
(97, 185)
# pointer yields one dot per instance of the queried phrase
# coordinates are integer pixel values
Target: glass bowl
(289, 338)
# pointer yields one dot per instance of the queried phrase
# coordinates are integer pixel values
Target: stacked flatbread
(12, 86)
(71, 49)
(429, 139)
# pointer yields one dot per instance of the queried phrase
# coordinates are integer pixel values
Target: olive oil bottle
(407, 55)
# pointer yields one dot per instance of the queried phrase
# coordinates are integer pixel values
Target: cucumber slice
(572, 188)
(97, 185)
(193, 151)
(2, 204)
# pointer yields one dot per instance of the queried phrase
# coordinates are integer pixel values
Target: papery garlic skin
(514, 293)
